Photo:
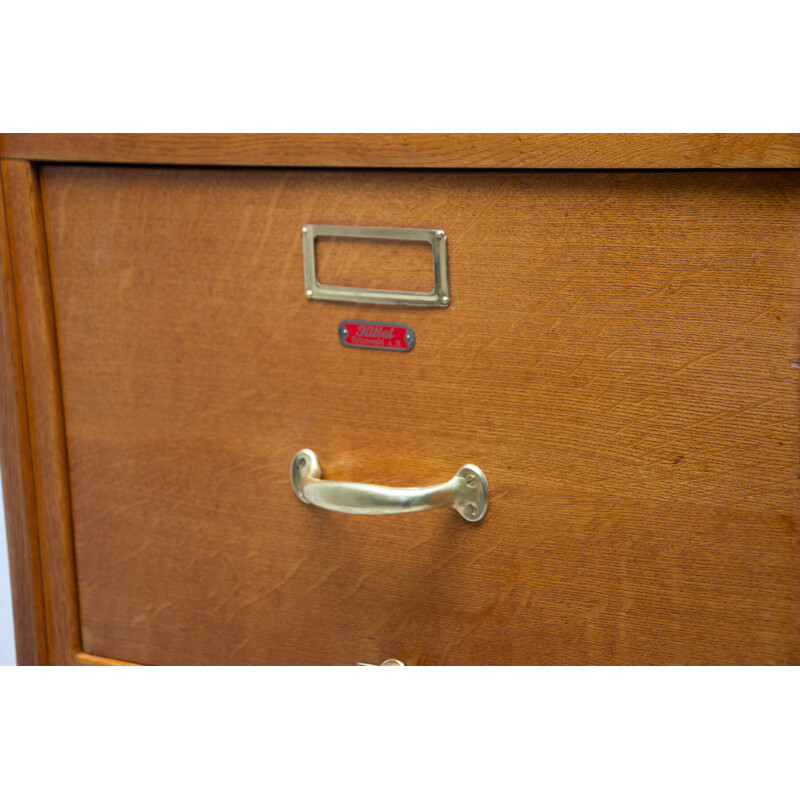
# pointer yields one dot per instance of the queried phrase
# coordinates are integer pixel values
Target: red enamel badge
(376, 335)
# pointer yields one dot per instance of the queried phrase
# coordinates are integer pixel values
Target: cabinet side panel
(18, 493)
(42, 383)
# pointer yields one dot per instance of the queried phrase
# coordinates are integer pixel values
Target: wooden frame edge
(27, 594)
(47, 480)
(88, 660)
(417, 150)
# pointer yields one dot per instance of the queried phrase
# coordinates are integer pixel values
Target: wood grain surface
(620, 358)
(19, 498)
(419, 150)
(42, 392)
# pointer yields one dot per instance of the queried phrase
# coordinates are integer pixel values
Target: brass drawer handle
(467, 492)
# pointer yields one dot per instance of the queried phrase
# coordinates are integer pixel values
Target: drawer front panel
(619, 357)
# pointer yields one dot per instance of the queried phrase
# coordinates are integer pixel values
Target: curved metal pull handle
(467, 492)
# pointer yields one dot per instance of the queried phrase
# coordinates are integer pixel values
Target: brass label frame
(314, 290)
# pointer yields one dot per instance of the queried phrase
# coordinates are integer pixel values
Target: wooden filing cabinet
(618, 354)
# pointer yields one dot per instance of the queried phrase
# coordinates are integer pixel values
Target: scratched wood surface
(417, 150)
(620, 358)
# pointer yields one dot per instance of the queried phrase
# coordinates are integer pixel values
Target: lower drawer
(619, 357)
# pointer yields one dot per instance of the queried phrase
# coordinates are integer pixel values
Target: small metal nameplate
(376, 335)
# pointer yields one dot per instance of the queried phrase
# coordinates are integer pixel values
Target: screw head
(471, 479)
(445, 300)
(440, 234)
(471, 509)
(305, 229)
(301, 462)
(309, 293)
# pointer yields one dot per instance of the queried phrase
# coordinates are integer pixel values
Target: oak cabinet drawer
(619, 357)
